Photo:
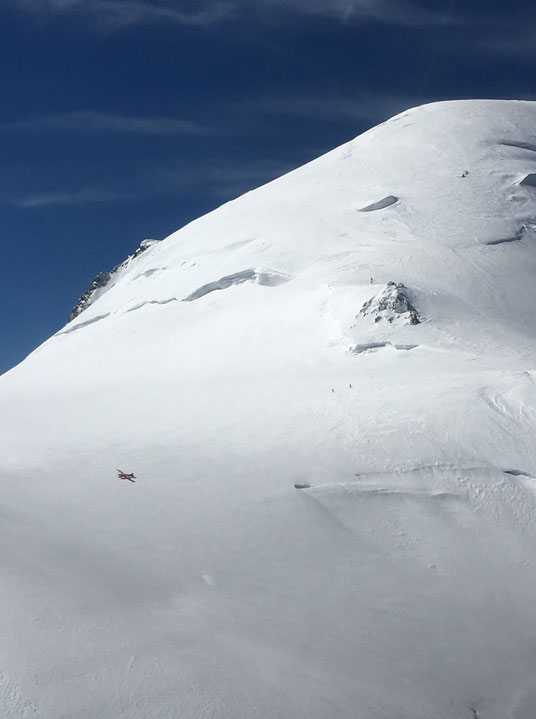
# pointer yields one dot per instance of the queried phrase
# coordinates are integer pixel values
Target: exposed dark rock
(392, 305)
(144, 245)
(103, 279)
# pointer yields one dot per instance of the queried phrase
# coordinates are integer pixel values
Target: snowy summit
(362, 329)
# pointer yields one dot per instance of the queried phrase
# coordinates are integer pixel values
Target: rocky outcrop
(105, 280)
(391, 305)
(97, 283)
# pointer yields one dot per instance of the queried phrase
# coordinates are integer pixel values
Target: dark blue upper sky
(122, 120)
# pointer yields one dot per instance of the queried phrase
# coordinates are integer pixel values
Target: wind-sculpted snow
(373, 346)
(333, 510)
(529, 180)
(267, 278)
(518, 473)
(380, 204)
(515, 238)
(152, 302)
(80, 325)
(520, 145)
(526, 231)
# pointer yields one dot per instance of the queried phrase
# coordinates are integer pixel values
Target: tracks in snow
(511, 403)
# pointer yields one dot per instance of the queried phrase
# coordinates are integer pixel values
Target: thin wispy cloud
(121, 13)
(519, 41)
(117, 13)
(221, 180)
(89, 121)
(395, 12)
(359, 106)
(84, 196)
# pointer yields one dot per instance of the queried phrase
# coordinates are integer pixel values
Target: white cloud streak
(90, 122)
(517, 42)
(115, 14)
(359, 106)
(221, 180)
(120, 13)
(84, 196)
(395, 12)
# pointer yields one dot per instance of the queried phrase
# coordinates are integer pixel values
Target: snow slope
(233, 360)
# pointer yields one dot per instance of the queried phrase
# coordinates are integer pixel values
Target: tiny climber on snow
(124, 475)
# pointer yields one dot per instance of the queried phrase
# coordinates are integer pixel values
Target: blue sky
(122, 120)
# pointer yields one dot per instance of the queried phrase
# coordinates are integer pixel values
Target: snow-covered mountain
(363, 328)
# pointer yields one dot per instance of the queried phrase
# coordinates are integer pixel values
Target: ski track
(514, 410)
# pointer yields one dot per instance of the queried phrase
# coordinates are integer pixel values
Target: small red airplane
(124, 475)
